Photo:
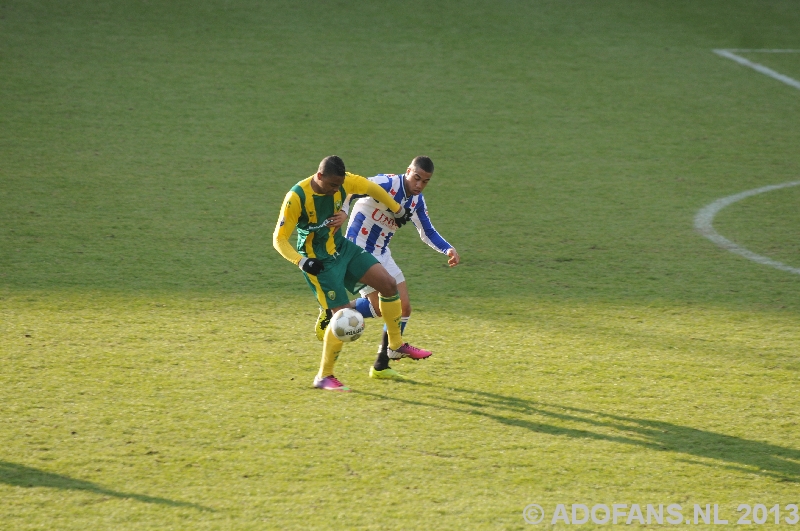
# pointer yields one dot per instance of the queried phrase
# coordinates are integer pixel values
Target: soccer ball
(348, 325)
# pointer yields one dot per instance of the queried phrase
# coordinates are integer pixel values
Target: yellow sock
(392, 310)
(331, 347)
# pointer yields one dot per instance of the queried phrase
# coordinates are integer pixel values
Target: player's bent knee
(388, 287)
(380, 280)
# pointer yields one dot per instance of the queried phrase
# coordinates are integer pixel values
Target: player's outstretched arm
(427, 232)
(356, 184)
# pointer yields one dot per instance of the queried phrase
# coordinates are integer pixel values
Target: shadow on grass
(25, 476)
(743, 455)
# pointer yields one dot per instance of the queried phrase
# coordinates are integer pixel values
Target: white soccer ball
(348, 325)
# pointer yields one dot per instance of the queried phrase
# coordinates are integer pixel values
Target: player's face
(416, 180)
(326, 184)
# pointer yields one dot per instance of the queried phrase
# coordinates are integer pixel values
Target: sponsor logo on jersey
(381, 217)
(312, 228)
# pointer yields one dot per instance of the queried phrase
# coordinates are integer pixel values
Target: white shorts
(388, 262)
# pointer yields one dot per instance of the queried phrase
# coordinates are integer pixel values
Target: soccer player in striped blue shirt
(371, 229)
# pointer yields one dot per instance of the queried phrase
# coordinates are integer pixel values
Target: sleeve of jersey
(352, 198)
(355, 184)
(287, 221)
(427, 232)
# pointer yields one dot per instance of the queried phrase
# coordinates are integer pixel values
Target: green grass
(787, 64)
(766, 224)
(156, 354)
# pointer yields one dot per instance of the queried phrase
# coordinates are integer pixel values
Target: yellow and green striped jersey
(307, 211)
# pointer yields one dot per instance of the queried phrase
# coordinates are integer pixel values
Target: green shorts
(341, 274)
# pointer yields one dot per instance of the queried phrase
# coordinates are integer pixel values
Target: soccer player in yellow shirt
(332, 264)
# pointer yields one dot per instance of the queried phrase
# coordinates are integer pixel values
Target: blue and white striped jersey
(372, 225)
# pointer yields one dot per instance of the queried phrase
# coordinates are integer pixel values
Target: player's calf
(323, 319)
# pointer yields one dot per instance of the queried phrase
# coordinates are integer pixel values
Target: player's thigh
(328, 287)
(357, 262)
(378, 278)
(387, 261)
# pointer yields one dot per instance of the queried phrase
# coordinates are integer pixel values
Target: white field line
(760, 68)
(704, 218)
(763, 50)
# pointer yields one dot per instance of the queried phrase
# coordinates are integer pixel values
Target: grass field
(156, 354)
